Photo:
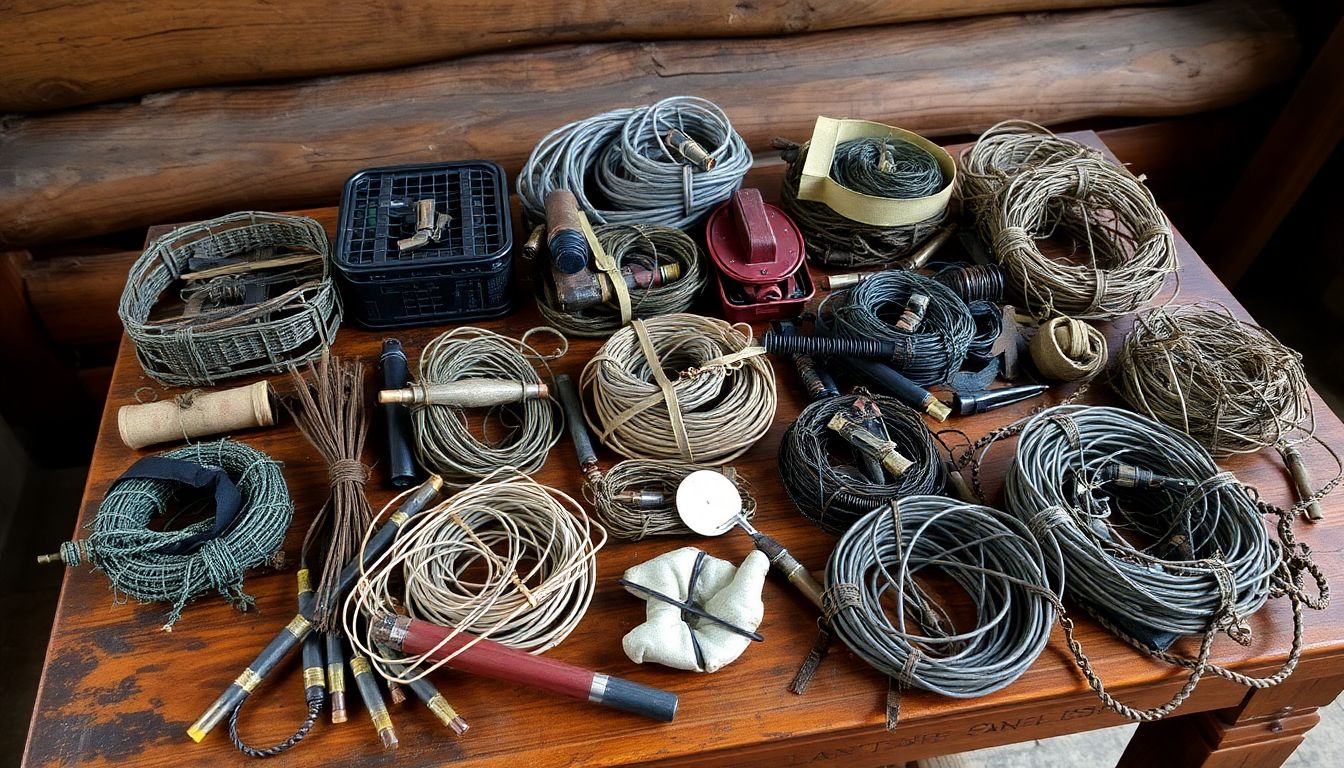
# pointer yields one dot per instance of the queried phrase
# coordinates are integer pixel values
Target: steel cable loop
(625, 519)
(1199, 537)
(621, 168)
(939, 344)
(835, 495)
(650, 246)
(1230, 385)
(716, 396)
(506, 559)
(903, 630)
(1026, 184)
(444, 441)
(834, 241)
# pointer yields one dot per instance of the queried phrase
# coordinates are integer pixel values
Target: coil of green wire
(123, 546)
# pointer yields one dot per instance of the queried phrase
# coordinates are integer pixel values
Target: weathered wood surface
(117, 690)
(56, 55)
(193, 154)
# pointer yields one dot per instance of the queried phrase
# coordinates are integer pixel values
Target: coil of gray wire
(654, 511)
(931, 353)
(444, 441)
(1205, 535)
(647, 245)
(1003, 570)
(833, 494)
(623, 168)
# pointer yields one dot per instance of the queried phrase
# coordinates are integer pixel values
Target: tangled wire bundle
(720, 403)
(444, 441)
(1026, 184)
(506, 559)
(1230, 385)
(174, 566)
(1004, 571)
(938, 346)
(1210, 563)
(625, 518)
(650, 246)
(881, 167)
(623, 169)
(835, 495)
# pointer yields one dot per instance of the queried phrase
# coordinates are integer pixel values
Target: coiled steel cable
(623, 170)
(1210, 562)
(876, 603)
(444, 441)
(833, 494)
(681, 387)
(651, 246)
(939, 344)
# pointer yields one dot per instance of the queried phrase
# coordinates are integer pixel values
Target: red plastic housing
(759, 253)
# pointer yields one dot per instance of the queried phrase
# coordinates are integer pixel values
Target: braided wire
(507, 559)
(650, 246)
(315, 704)
(627, 520)
(123, 546)
(444, 441)
(724, 391)
(938, 346)
(1025, 184)
(1230, 385)
(834, 241)
(881, 610)
(835, 495)
(621, 168)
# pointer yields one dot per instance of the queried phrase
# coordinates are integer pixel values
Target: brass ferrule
(305, 581)
(859, 436)
(691, 150)
(936, 408)
(532, 246)
(446, 714)
(836, 282)
(338, 713)
(396, 693)
(921, 257)
(466, 393)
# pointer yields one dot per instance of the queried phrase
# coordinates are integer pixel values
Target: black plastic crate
(464, 276)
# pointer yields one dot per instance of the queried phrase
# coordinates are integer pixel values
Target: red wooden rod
(490, 659)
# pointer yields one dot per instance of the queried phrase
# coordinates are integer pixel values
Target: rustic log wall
(187, 154)
(66, 54)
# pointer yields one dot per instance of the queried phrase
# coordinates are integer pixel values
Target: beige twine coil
(1066, 349)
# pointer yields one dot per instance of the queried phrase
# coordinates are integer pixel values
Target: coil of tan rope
(1065, 349)
(680, 386)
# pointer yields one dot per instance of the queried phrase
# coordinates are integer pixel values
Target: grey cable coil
(993, 556)
(622, 170)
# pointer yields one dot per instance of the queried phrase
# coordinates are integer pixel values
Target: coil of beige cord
(680, 387)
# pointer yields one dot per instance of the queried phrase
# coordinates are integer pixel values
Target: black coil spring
(828, 346)
(973, 282)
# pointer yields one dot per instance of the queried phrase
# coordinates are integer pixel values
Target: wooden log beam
(56, 55)
(192, 154)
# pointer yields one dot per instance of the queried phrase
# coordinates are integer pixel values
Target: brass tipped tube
(466, 393)
(367, 683)
(869, 444)
(301, 625)
(428, 694)
(335, 647)
(1297, 467)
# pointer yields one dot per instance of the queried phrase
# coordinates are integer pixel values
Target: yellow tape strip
(608, 265)
(817, 185)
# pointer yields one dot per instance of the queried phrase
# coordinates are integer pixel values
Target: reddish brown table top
(116, 688)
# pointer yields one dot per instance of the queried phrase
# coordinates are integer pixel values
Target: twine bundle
(329, 411)
(123, 546)
(623, 168)
(650, 246)
(1065, 349)
(506, 559)
(1230, 385)
(881, 167)
(625, 519)
(1025, 184)
(834, 495)
(682, 387)
(939, 344)
(444, 441)
(231, 341)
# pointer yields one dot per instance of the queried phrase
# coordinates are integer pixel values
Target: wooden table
(115, 688)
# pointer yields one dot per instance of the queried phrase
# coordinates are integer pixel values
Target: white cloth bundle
(722, 590)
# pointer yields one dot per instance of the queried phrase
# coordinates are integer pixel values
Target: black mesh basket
(462, 276)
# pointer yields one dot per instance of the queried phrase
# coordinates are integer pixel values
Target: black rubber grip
(396, 374)
(578, 430)
(888, 380)
(639, 699)
(829, 346)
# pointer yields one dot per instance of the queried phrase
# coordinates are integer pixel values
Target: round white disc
(708, 503)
